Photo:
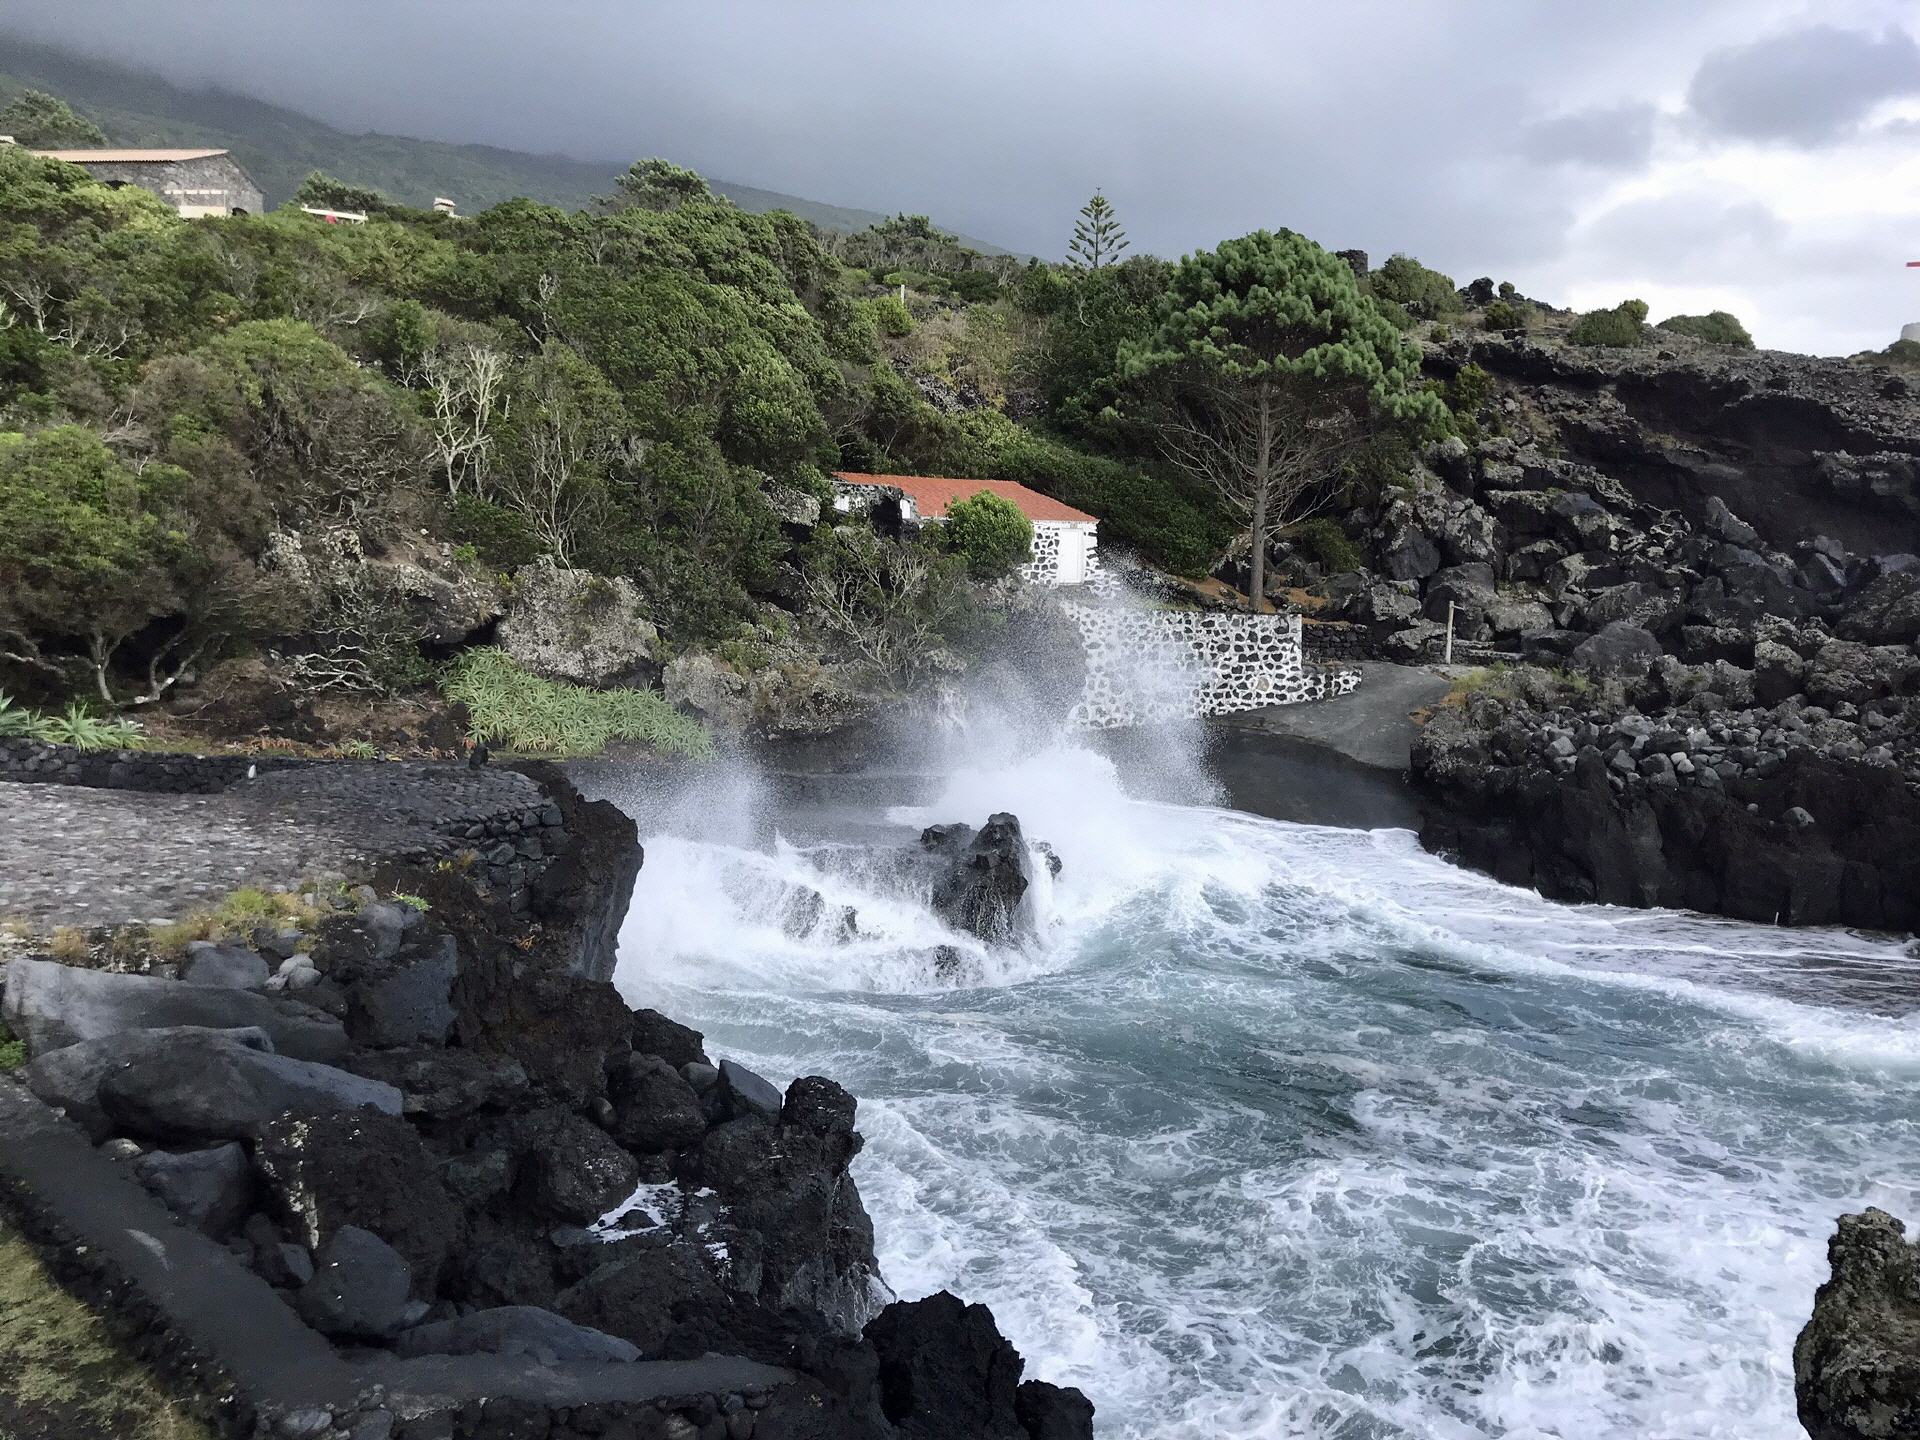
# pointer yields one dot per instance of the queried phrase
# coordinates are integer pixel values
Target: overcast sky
(1752, 155)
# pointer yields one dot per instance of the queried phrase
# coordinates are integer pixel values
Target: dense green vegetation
(522, 712)
(1623, 326)
(268, 435)
(989, 533)
(1718, 327)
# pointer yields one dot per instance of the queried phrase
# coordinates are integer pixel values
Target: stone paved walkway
(79, 856)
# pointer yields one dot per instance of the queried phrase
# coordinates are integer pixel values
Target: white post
(1449, 655)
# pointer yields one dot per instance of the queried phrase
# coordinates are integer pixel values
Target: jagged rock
(640, 1293)
(1846, 672)
(525, 1330)
(1887, 612)
(652, 1033)
(69, 1078)
(1619, 648)
(233, 966)
(791, 505)
(564, 1031)
(580, 627)
(359, 1290)
(409, 1000)
(209, 1088)
(1510, 617)
(981, 889)
(795, 1229)
(1723, 524)
(1856, 1364)
(745, 1093)
(364, 1169)
(444, 1084)
(1777, 672)
(946, 1371)
(573, 1171)
(49, 1005)
(654, 1107)
(1646, 606)
(818, 1104)
(211, 1190)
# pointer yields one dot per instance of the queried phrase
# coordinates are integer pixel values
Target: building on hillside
(197, 183)
(1065, 540)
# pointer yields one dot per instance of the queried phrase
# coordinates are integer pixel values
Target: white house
(1065, 540)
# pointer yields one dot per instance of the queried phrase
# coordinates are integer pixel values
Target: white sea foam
(1285, 1131)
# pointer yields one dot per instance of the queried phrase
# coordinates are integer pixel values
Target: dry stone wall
(1148, 667)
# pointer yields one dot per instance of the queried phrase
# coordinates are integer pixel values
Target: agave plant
(83, 730)
(19, 723)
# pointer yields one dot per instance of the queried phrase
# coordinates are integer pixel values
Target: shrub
(1469, 391)
(13, 1052)
(1503, 315)
(990, 533)
(1423, 293)
(19, 723)
(1717, 327)
(512, 708)
(1900, 352)
(892, 317)
(1327, 543)
(977, 287)
(1623, 326)
(493, 533)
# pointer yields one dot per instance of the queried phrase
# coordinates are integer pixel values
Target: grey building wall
(212, 185)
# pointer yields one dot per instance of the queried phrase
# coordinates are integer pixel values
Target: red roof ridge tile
(931, 494)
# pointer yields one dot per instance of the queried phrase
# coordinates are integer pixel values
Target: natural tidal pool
(1287, 1130)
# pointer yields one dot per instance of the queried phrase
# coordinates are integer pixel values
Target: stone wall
(203, 185)
(30, 762)
(1338, 640)
(1147, 667)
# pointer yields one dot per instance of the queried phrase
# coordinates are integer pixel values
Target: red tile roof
(931, 494)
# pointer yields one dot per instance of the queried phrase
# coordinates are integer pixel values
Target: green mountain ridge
(279, 146)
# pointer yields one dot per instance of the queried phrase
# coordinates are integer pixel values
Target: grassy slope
(61, 1374)
(279, 146)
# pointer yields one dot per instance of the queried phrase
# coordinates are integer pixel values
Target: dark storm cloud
(1618, 137)
(1805, 87)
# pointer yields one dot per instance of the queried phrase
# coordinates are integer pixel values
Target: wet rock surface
(1856, 1365)
(495, 1169)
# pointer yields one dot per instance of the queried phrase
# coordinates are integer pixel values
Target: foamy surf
(1284, 1131)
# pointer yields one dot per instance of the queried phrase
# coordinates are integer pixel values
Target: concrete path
(1371, 726)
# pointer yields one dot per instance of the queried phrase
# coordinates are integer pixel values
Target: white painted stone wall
(1148, 667)
(1065, 552)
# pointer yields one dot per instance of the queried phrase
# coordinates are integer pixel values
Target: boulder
(981, 889)
(444, 1084)
(211, 1190)
(359, 1289)
(1847, 672)
(654, 1034)
(573, 1171)
(49, 1005)
(819, 1105)
(1468, 585)
(1723, 524)
(209, 1088)
(1777, 672)
(1409, 554)
(365, 1169)
(1620, 648)
(653, 1105)
(233, 966)
(1510, 617)
(69, 1078)
(1856, 1364)
(641, 1292)
(743, 1092)
(1647, 606)
(523, 1330)
(945, 1370)
(408, 1001)
(1887, 612)
(576, 626)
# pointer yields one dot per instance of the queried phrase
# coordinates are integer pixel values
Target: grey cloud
(1805, 87)
(1618, 137)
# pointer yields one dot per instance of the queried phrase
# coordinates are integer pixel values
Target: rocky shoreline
(494, 1198)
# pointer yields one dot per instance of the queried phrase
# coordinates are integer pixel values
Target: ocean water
(1285, 1130)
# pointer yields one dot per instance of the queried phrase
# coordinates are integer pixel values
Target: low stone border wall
(1339, 640)
(33, 762)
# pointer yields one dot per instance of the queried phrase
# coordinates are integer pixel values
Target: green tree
(46, 122)
(1423, 293)
(990, 533)
(1717, 327)
(1623, 326)
(1267, 366)
(1098, 240)
(660, 185)
(323, 192)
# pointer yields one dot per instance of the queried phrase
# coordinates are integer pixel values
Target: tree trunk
(1262, 493)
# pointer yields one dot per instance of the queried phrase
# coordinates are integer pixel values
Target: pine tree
(1097, 236)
